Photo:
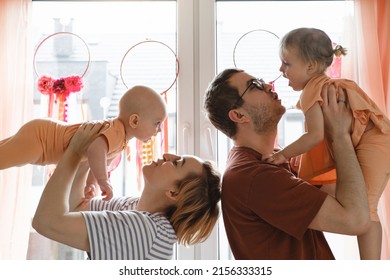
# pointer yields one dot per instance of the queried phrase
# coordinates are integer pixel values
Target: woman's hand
(85, 135)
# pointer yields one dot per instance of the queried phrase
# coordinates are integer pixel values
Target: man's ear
(236, 116)
(133, 120)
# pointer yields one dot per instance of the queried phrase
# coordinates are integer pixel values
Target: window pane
(247, 38)
(126, 44)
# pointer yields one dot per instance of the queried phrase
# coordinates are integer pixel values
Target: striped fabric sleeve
(128, 235)
(115, 204)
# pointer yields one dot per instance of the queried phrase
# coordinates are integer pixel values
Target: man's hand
(337, 114)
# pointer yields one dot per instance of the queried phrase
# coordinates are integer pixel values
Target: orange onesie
(372, 146)
(43, 142)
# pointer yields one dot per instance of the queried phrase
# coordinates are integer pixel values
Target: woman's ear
(133, 120)
(171, 195)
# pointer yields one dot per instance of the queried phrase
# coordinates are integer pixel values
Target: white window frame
(196, 52)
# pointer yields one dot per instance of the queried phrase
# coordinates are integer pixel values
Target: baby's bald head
(140, 100)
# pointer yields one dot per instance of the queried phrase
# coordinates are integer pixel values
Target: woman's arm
(313, 136)
(80, 195)
(53, 218)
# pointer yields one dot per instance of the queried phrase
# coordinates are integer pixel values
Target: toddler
(306, 53)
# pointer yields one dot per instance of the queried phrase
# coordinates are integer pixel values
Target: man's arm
(347, 212)
(53, 218)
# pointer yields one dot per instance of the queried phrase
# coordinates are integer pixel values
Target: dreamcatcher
(159, 63)
(59, 88)
(257, 52)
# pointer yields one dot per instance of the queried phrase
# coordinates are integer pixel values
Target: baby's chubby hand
(90, 191)
(277, 158)
(106, 188)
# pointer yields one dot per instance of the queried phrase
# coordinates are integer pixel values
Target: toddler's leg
(20, 149)
(374, 157)
(370, 243)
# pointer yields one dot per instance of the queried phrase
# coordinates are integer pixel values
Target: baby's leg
(374, 157)
(20, 149)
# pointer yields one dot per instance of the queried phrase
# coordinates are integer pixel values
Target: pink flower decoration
(73, 83)
(45, 85)
(59, 87)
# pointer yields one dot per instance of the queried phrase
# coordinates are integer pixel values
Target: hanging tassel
(50, 106)
(63, 108)
(164, 130)
(147, 154)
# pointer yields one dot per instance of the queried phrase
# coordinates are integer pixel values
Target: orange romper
(43, 142)
(372, 147)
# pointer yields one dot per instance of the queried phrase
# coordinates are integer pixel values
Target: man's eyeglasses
(257, 83)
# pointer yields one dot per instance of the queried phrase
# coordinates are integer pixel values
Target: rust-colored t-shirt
(267, 210)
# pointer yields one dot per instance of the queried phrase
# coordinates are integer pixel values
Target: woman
(179, 203)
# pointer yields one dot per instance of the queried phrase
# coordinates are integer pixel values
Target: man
(268, 212)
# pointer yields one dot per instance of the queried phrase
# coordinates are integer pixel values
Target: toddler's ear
(133, 120)
(312, 67)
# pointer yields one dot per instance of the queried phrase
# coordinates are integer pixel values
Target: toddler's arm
(97, 158)
(313, 136)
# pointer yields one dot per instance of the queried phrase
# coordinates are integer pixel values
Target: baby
(306, 53)
(43, 141)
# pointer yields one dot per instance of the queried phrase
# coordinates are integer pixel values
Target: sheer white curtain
(15, 109)
(369, 55)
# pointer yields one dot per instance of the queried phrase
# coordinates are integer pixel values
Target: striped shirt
(117, 231)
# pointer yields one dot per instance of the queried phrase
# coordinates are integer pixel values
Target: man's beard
(264, 120)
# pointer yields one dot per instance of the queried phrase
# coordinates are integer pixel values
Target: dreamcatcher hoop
(244, 35)
(157, 42)
(62, 33)
(145, 152)
(60, 88)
